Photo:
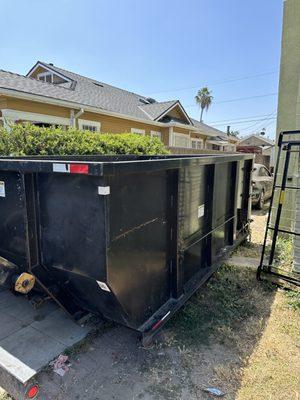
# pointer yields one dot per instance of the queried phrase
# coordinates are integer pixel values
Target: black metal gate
(274, 263)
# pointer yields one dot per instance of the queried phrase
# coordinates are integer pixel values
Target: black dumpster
(129, 237)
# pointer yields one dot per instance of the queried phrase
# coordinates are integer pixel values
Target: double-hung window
(155, 134)
(197, 144)
(181, 140)
(92, 126)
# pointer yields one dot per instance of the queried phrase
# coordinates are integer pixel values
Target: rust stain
(135, 229)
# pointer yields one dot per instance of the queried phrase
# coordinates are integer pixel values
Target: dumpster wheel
(24, 283)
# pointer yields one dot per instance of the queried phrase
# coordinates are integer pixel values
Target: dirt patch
(253, 246)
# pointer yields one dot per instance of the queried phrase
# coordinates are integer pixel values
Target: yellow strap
(282, 197)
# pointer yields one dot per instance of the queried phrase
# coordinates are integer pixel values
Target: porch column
(171, 136)
(7, 120)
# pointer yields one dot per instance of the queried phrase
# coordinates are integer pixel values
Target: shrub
(23, 140)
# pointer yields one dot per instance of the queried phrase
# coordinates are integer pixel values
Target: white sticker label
(104, 190)
(103, 286)
(201, 211)
(2, 189)
(65, 168)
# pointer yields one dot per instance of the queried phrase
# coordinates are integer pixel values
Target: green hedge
(31, 140)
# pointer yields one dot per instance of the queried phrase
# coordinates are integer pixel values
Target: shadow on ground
(262, 212)
(222, 325)
(207, 343)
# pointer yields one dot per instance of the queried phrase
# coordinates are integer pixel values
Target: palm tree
(204, 100)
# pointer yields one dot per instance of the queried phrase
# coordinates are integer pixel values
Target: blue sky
(162, 48)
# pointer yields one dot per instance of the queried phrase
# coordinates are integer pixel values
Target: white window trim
(38, 65)
(155, 134)
(198, 141)
(230, 147)
(15, 115)
(43, 74)
(186, 136)
(177, 104)
(96, 124)
(138, 131)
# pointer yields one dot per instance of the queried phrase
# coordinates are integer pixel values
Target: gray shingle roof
(90, 92)
(99, 94)
(260, 137)
(209, 130)
(87, 92)
(155, 110)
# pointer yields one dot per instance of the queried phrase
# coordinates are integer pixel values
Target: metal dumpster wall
(13, 230)
(169, 228)
(136, 253)
(137, 268)
(195, 205)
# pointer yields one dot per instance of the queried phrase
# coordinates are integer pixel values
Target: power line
(245, 122)
(258, 128)
(238, 99)
(247, 98)
(216, 83)
(253, 125)
(238, 119)
(261, 126)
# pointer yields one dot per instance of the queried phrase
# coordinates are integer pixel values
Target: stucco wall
(289, 68)
(289, 96)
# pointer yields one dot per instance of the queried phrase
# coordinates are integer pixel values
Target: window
(155, 134)
(45, 77)
(181, 140)
(197, 144)
(89, 128)
(138, 131)
(92, 126)
(34, 118)
(229, 148)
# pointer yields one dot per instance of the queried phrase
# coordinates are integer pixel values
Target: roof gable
(256, 140)
(155, 110)
(41, 68)
(171, 109)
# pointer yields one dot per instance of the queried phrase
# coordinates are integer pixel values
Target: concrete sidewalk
(30, 338)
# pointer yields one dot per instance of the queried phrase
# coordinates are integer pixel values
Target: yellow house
(49, 95)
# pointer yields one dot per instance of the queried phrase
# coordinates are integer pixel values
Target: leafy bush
(31, 140)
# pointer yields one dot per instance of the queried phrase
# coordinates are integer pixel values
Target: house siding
(36, 107)
(109, 124)
(175, 113)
